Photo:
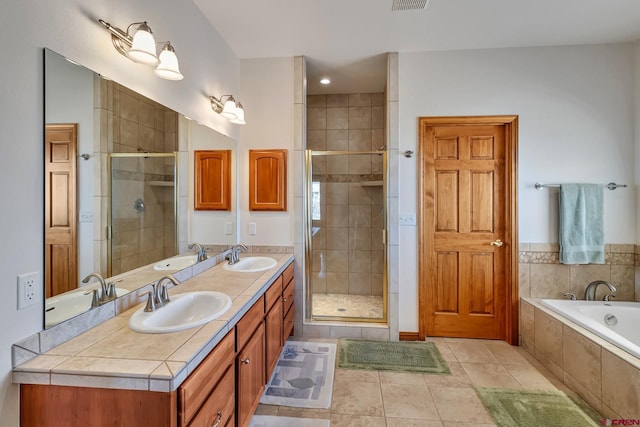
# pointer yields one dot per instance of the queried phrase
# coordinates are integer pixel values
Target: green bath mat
(391, 356)
(526, 408)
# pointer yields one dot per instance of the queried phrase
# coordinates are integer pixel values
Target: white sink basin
(177, 263)
(185, 311)
(65, 306)
(251, 264)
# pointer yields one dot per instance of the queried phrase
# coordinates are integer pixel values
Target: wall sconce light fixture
(140, 46)
(228, 108)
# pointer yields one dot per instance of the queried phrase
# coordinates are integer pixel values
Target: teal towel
(581, 224)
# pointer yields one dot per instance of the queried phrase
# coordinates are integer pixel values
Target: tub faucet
(234, 255)
(202, 252)
(104, 297)
(590, 295)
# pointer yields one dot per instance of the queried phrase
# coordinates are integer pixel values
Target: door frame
(510, 248)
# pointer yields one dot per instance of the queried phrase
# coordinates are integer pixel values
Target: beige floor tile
(357, 398)
(446, 352)
(490, 375)
(401, 377)
(529, 377)
(406, 422)
(473, 352)
(356, 375)
(458, 377)
(342, 420)
(408, 401)
(505, 353)
(460, 404)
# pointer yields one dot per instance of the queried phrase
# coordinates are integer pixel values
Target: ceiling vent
(409, 4)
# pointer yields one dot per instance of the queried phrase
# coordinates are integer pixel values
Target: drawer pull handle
(284, 300)
(218, 420)
(245, 361)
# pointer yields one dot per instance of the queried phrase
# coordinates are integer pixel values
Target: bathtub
(615, 322)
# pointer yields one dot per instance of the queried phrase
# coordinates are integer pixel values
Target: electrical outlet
(28, 289)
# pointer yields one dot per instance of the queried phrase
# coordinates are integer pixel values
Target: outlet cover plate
(28, 289)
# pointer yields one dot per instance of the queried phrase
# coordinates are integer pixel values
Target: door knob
(497, 243)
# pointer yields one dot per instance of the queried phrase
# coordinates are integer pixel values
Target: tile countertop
(113, 356)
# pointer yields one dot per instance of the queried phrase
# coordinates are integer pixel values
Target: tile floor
(393, 399)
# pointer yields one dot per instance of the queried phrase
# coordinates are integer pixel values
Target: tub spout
(592, 288)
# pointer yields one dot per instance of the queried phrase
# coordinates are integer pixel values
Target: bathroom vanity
(209, 376)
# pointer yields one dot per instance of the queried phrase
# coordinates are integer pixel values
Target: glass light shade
(229, 110)
(143, 48)
(239, 120)
(168, 67)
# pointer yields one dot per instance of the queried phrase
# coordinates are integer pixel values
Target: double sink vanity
(202, 359)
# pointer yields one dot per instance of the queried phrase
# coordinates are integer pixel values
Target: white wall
(267, 95)
(208, 227)
(576, 125)
(69, 27)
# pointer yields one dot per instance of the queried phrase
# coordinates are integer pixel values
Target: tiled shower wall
(348, 253)
(542, 275)
(131, 123)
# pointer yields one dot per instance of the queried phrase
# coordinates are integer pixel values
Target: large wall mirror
(119, 189)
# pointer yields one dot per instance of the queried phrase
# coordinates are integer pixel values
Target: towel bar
(610, 186)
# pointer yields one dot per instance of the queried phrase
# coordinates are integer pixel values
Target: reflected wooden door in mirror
(268, 180)
(61, 259)
(212, 180)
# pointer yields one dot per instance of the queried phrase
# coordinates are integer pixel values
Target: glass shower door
(142, 210)
(346, 251)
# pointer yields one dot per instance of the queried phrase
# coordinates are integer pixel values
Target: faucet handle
(95, 299)
(571, 296)
(163, 294)
(608, 297)
(151, 305)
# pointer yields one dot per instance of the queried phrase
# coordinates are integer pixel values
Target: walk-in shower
(142, 210)
(346, 229)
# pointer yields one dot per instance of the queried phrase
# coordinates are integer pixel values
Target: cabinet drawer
(220, 405)
(273, 293)
(287, 275)
(249, 323)
(287, 327)
(198, 386)
(287, 296)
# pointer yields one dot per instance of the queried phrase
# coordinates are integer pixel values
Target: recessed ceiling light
(325, 81)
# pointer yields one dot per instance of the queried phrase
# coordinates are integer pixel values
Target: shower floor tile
(343, 305)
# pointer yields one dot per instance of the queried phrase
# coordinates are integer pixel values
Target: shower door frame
(309, 247)
(110, 156)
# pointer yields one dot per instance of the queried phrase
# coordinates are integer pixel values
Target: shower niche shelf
(161, 183)
(371, 184)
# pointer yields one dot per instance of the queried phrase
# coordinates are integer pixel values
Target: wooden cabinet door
(273, 337)
(250, 383)
(212, 180)
(268, 180)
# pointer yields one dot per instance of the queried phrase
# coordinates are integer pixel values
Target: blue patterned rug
(303, 377)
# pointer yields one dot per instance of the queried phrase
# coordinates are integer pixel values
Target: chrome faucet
(108, 289)
(234, 255)
(202, 252)
(162, 296)
(590, 295)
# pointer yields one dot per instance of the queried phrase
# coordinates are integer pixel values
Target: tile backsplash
(542, 275)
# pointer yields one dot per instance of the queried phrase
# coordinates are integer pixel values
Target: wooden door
(267, 180)
(468, 265)
(61, 258)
